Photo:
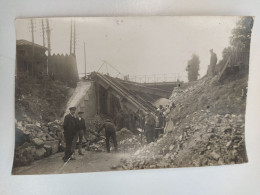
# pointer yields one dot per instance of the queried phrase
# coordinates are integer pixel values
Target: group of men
(152, 124)
(75, 129)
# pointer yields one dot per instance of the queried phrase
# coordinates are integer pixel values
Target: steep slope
(207, 128)
(38, 102)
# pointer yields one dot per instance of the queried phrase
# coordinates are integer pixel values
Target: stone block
(48, 150)
(54, 145)
(214, 155)
(39, 153)
(38, 142)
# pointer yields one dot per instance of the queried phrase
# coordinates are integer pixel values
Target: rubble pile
(202, 135)
(36, 141)
(37, 102)
(128, 142)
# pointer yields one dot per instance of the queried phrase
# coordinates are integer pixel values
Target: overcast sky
(138, 45)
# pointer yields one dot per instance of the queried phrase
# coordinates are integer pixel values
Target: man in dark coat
(110, 131)
(81, 131)
(70, 128)
(149, 127)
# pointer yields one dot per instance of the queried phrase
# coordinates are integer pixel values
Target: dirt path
(90, 162)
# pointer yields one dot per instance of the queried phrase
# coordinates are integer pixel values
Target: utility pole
(43, 42)
(70, 36)
(85, 60)
(43, 34)
(32, 57)
(48, 31)
(74, 39)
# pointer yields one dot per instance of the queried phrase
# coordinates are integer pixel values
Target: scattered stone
(38, 125)
(228, 144)
(37, 142)
(215, 155)
(54, 145)
(167, 156)
(114, 166)
(39, 153)
(227, 116)
(48, 150)
(228, 130)
(137, 152)
(221, 161)
(171, 147)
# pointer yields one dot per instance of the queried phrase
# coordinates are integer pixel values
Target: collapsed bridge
(106, 95)
(114, 94)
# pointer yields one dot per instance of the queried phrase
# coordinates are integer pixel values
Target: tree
(193, 68)
(241, 34)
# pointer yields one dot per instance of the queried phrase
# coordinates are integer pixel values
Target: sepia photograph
(127, 93)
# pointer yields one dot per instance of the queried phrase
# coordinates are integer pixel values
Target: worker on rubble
(110, 131)
(141, 119)
(149, 127)
(120, 120)
(70, 129)
(81, 131)
(213, 62)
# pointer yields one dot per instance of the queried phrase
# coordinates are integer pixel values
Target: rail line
(133, 98)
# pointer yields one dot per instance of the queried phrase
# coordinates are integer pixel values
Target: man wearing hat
(149, 127)
(81, 130)
(70, 127)
(110, 131)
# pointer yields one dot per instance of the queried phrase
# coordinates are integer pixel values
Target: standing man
(110, 131)
(213, 62)
(70, 128)
(81, 131)
(149, 127)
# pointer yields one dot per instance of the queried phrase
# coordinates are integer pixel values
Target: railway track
(133, 98)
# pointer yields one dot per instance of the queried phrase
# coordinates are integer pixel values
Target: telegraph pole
(32, 31)
(85, 61)
(74, 39)
(70, 36)
(43, 34)
(48, 31)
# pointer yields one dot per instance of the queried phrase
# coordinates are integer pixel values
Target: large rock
(32, 127)
(21, 136)
(214, 155)
(49, 137)
(54, 145)
(24, 155)
(39, 153)
(48, 150)
(38, 142)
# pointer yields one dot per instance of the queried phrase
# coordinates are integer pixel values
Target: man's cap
(72, 108)
(80, 112)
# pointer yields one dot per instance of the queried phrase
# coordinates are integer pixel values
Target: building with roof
(31, 58)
